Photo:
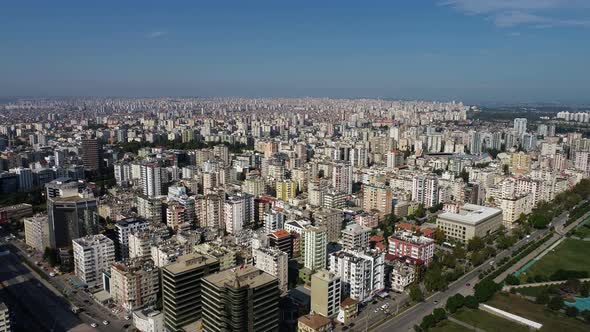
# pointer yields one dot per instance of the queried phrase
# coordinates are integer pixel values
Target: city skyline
(470, 50)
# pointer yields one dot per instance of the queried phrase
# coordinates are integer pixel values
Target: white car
(105, 322)
(93, 325)
(127, 318)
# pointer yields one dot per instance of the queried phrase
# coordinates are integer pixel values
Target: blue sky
(473, 50)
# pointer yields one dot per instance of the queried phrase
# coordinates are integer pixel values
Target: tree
(506, 169)
(585, 289)
(464, 175)
(454, 303)
(572, 311)
(542, 298)
(586, 315)
(572, 285)
(476, 243)
(439, 235)
(459, 252)
(477, 258)
(433, 280)
(556, 303)
(416, 294)
(511, 279)
(427, 322)
(485, 289)
(439, 314)
(539, 220)
(471, 302)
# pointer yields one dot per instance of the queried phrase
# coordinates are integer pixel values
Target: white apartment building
(238, 211)
(362, 273)
(149, 320)
(402, 276)
(355, 237)
(4, 318)
(93, 255)
(36, 232)
(123, 228)
(274, 262)
(425, 190)
(151, 180)
(342, 177)
(274, 220)
(315, 242)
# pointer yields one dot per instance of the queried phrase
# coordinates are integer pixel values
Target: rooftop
(314, 321)
(242, 276)
(189, 262)
(471, 214)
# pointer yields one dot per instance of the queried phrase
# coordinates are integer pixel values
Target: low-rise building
(402, 275)
(471, 221)
(93, 255)
(37, 232)
(148, 320)
(314, 323)
(407, 244)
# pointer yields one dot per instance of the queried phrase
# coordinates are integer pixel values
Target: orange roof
(380, 246)
(280, 233)
(376, 238)
(408, 226)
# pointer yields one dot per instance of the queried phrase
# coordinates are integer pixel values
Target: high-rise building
(355, 237)
(182, 289)
(325, 293)
(238, 212)
(92, 154)
(285, 189)
(377, 198)
(342, 177)
(520, 126)
(315, 242)
(282, 240)
(4, 318)
(151, 180)
(25, 178)
(274, 262)
(332, 220)
(135, 283)
(37, 232)
(362, 273)
(475, 142)
(406, 244)
(240, 299)
(123, 228)
(93, 255)
(425, 190)
(62, 187)
(71, 218)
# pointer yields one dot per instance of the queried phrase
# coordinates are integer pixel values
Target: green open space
(571, 254)
(486, 321)
(551, 320)
(583, 231)
(532, 291)
(448, 326)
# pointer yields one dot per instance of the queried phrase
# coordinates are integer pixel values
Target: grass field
(448, 326)
(583, 231)
(551, 320)
(571, 254)
(486, 321)
(531, 291)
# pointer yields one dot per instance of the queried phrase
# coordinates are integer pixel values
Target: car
(468, 284)
(105, 322)
(376, 311)
(94, 325)
(127, 318)
(528, 236)
(52, 274)
(435, 301)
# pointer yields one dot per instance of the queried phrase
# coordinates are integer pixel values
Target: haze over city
(470, 50)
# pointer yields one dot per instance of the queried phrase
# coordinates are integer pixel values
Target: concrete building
(148, 320)
(182, 289)
(71, 218)
(5, 325)
(238, 212)
(134, 283)
(472, 220)
(92, 155)
(377, 198)
(407, 244)
(151, 180)
(325, 293)
(342, 177)
(123, 228)
(332, 220)
(149, 208)
(282, 240)
(314, 323)
(355, 237)
(37, 232)
(240, 299)
(274, 262)
(314, 242)
(425, 190)
(93, 255)
(402, 276)
(285, 189)
(362, 273)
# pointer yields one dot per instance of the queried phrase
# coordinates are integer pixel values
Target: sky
(470, 50)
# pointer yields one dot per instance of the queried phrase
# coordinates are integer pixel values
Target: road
(34, 306)
(92, 312)
(406, 320)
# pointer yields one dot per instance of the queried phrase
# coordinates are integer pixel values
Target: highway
(406, 320)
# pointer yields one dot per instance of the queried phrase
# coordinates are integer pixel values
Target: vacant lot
(448, 326)
(551, 320)
(486, 321)
(571, 254)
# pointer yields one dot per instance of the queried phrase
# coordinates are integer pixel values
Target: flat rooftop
(471, 214)
(190, 262)
(246, 275)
